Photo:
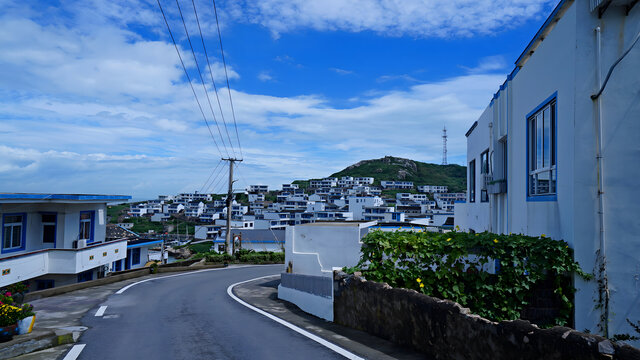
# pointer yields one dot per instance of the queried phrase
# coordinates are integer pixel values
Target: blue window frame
(14, 232)
(85, 276)
(87, 225)
(541, 151)
(135, 256)
(49, 225)
(44, 284)
(472, 181)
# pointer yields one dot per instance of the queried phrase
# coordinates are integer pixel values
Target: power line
(188, 77)
(209, 178)
(202, 79)
(221, 171)
(215, 88)
(215, 187)
(215, 10)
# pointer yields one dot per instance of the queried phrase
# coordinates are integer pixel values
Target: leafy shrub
(456, 265)
(9, 314)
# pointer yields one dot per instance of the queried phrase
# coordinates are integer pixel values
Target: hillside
(392, 168)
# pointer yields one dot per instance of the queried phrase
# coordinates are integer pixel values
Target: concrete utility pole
(227, 240)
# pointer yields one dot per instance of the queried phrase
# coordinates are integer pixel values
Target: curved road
(191, 316)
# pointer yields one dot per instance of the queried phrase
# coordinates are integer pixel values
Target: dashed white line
(101, 310)
(182, 274)
(321, 341)
(74, 352)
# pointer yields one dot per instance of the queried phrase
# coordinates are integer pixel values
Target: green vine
(457, 266)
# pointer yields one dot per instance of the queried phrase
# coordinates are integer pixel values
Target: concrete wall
(312, 252)
(444, 330)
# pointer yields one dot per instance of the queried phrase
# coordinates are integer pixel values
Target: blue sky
(93, 98)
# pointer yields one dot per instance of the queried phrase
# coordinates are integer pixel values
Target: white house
(56, 239)
(556, 153)
(358, 203)
(433, 189)
(396, 184)
(258, 188)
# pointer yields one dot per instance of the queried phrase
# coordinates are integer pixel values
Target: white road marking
(74, 352)
(181, 274)
(321, 341)
(101, 310)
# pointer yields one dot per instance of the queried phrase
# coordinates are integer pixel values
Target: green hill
(393, 168)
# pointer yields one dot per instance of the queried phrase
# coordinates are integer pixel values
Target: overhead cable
(188, 78)
(195, 59)
(215, 10)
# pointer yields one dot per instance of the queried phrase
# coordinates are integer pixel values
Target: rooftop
(41, 197)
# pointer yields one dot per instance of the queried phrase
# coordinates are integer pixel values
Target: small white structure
(258, 188)
(56, 239)
(358, 203)
(312, 252)
(396, 184)
(433, 189)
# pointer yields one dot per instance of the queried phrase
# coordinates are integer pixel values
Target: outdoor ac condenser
(82, 244)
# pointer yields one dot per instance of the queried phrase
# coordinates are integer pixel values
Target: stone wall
(445, 330)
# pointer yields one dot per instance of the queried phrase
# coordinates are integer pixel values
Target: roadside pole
(227, 240)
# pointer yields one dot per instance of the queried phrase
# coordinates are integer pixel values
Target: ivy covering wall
(493, 275)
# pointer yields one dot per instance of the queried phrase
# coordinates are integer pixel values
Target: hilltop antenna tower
(444, 145)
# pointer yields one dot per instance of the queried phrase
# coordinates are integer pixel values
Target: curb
(42, 339)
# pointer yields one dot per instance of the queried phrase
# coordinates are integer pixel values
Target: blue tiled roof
(73, 197)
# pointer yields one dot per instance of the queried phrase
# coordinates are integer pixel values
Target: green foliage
(453, 266)
(202, 247)
(9, 314)
(246, 256)
(113, 211)
(27, 310)
(387, 168)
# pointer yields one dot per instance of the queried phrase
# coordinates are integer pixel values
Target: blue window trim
(93, 224)
(139, 254)
(55, 233)
(537, 198)
(24, 233)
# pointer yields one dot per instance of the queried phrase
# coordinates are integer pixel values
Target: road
(191, 317)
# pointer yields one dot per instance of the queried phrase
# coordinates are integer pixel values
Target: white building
(363, 181)
(56, 239)
(433, 189)
(447, 201)
(396, 184)
(556, 152)
(289, 187)
(258, 188)
(255, 197)
(418, 198)
(358, 203)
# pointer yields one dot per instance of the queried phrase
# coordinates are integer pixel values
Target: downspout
(602, 258)
(484, 180)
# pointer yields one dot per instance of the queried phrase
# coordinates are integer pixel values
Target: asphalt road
(192, 317)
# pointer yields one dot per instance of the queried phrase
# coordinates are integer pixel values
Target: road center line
(74, 352)
(321, 341)
(101, 310)
(182, 274)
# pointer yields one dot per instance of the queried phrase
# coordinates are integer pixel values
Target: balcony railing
(32, 264)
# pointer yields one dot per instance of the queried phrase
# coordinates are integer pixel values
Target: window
(86, 226)
(484, 171)
(135, 256)
(472, 181)
(541, 128)
(49, 228)
(44, 284)
(13, 232)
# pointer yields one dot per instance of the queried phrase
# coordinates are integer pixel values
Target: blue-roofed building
(56, 239)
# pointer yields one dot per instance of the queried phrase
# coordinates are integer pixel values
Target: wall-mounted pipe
(604, 289)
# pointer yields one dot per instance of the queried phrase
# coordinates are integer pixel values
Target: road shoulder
(262, 293)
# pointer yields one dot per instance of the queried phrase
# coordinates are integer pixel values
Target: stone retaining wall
(445, 330)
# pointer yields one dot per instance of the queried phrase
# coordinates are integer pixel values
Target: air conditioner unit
(82, 244)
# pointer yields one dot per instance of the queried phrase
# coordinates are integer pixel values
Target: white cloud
(421, 18)
(495, 63)
(101, 109)
(341, 71)
(265, 76)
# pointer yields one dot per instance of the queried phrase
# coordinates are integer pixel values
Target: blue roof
(141, 244)
(73, 197)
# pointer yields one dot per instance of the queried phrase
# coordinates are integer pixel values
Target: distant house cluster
(330, 199)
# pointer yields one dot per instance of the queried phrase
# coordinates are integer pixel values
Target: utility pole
(227, 240)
